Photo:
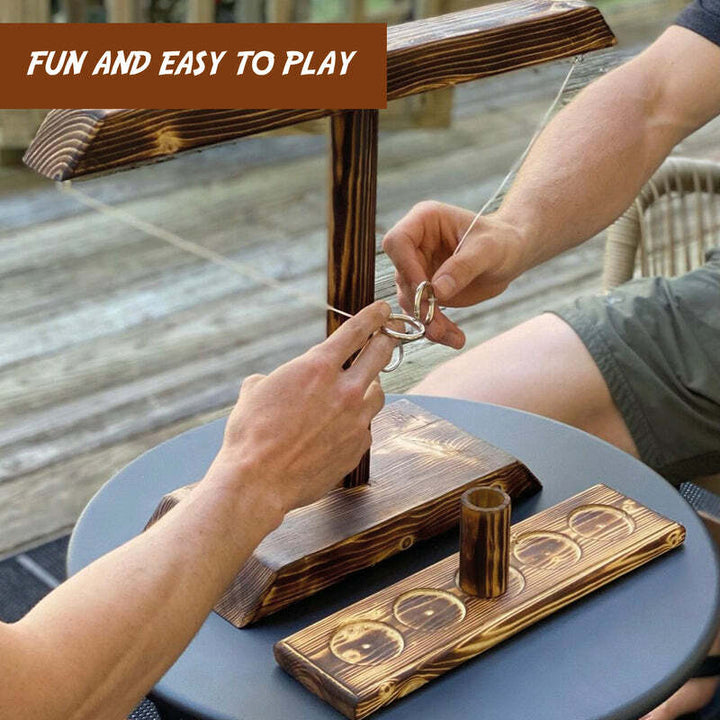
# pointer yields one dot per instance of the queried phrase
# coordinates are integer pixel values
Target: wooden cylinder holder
(484, 541)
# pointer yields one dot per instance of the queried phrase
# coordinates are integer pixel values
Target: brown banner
(333, 66)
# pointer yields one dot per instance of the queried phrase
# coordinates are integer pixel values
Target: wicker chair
(667, 230)
(673, 221)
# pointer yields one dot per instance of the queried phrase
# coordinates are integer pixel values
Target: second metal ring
(418, 328)
(396, 361)
(432, 300)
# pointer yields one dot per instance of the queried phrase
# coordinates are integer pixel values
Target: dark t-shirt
(702, 17)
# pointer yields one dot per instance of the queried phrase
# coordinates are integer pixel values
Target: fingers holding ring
(415, 332)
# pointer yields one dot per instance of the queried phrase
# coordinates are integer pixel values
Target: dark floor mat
(27, 577)
(20, 590)
(51, 557)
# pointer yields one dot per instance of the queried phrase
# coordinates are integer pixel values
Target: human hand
(307, 424)
(421, 246)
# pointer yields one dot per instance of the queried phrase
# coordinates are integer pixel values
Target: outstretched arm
(585, 169)
(93, 647)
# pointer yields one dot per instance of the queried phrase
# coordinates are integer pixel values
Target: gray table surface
(615, 654)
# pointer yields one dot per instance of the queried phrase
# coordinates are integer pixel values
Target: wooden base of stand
(387, 645)
(420, 466)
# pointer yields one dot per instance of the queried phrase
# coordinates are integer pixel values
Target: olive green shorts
(656, 342)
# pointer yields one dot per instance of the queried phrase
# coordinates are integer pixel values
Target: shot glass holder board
(421, 464)
(386, 646)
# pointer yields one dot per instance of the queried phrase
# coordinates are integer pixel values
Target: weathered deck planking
(111, 342)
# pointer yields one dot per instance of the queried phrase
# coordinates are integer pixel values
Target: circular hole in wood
(546, 550)
(428, 609)
(515, 583)
(601, 522)
(366, 642)
(485, 498)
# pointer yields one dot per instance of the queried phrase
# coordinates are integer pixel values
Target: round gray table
(615, 654)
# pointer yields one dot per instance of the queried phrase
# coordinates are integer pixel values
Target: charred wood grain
(484, 542)
(351, 241)
(385, 646)
(422, 55)
(421, 465)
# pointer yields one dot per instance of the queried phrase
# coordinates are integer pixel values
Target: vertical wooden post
(351, 243)
(124, 11)
(17, 127)
(201, 11)
(484, 541)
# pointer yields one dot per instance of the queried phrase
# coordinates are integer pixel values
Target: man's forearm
(103, 638)
(591, 161)
(93, 647)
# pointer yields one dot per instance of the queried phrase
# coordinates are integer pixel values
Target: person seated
(639, 367)
(93, 647)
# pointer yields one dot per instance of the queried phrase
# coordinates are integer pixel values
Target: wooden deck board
(112, 341)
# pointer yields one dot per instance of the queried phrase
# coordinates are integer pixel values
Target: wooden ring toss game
(421, 464)
(389, 644)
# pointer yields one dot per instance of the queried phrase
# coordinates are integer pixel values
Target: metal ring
(419, 292)
(395, 363)
(405, 336)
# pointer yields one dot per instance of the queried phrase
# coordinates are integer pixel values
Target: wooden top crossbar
(422, 55)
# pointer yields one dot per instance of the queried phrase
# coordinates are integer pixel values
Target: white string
(516, 165)
(192, 247)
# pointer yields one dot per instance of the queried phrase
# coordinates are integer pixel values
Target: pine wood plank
(92, 420)
(47, 502)
(59, 371)
(422, 55)
(389, 644)
(353, 191)
(92, 396)
(421, 464)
